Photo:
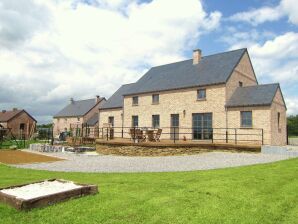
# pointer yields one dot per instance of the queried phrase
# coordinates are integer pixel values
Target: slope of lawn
(252, 194)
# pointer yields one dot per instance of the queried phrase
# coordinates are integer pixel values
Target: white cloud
(292, 105)
(19, 20)
(68, 48)
(255, 17)
(290, 8)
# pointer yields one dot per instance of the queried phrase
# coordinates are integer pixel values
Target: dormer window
(240, 84)
(135, 100)
(201, 94)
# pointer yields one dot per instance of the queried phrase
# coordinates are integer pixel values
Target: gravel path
(104, 163)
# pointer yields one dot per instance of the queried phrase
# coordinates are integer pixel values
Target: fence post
(174, 134)
(52, 135)
(107, 134)
(227, 136)
(262, 136)
(134, 134)
(287, 133)
(212, 134)
(122, 132)
(236, 136)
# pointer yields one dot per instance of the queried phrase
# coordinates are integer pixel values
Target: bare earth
(111, 163)
(20, 157)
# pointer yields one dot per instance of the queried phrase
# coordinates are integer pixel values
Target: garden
(264, 193)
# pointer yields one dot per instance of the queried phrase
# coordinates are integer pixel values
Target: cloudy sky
(51, 50)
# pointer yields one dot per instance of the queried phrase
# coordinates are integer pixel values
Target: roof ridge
(202, 57)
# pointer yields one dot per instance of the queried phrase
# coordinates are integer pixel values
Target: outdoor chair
(157, 135)
(132, 133)
(140, 136)
(150, 135)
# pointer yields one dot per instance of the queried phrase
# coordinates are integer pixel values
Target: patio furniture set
(145, 135)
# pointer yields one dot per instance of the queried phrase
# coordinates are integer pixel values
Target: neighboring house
(77, 113)
(20, 123)
(218, 92)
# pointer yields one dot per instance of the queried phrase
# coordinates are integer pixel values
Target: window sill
(246, 127)
(134, 105)
(154, 103)
(203, 99)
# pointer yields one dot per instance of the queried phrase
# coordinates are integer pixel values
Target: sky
(52, 50)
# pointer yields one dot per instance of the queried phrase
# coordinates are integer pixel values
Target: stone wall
(183, 102)
(261, 119)
(242, 73)
(278, 131)
(64, 123)
(164, 151)
(15, 123)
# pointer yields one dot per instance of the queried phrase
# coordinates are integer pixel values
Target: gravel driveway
(104, 163)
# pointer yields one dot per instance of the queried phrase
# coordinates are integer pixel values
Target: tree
(293, 125)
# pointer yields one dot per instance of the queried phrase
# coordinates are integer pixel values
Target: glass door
(202, 126)
(175, 126)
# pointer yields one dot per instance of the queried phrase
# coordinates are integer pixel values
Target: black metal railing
(227, 135)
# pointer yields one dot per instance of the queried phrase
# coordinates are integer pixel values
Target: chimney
(3, 111)
(71, 100)
(14, 109)
(97, 98)
(197, 54)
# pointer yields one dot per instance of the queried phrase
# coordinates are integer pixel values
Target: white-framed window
(246, 119)
(201, 94)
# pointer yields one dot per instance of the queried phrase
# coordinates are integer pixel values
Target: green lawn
(252, 194)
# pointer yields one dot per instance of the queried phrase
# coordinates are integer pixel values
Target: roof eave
(249, 105)
(171, 89)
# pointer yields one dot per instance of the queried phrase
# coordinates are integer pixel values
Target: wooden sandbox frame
(50, 199)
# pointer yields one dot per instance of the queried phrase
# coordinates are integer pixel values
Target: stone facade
(61, 124)
(184, 103)
(242, 73)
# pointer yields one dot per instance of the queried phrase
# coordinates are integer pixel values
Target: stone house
(215, 97)
(20, 123)
(76, 114)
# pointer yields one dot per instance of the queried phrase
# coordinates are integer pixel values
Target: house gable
(243, 73)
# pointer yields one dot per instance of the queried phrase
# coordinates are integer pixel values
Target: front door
(202, 126)
(175, 126)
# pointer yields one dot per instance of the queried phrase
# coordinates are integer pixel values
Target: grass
(252, 194)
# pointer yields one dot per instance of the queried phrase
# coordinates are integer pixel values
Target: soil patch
(20, 157)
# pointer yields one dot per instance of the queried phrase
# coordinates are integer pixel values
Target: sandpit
(43, 193)
(35, 190)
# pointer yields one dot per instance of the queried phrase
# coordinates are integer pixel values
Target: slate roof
(77, 108)
(259, 95)
(93, 120)
(212, 69)
(116, 100)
